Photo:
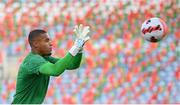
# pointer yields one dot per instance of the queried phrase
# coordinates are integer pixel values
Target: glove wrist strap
(74, 50)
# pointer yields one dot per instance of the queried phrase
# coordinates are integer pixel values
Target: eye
(47, 39)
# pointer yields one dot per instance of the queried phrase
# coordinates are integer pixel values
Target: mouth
(50, 48)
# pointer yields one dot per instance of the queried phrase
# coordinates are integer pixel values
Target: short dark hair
(34, 34)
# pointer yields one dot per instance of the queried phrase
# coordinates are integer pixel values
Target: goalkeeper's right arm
(58, 68)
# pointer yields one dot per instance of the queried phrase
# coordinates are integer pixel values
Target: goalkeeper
(39, 65)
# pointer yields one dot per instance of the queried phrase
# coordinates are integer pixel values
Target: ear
(35, 44)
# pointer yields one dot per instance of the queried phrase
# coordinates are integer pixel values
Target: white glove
(81, 38)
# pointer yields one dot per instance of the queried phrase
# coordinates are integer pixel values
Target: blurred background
(118, 65)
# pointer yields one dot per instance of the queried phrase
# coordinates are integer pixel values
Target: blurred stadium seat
(119, 66)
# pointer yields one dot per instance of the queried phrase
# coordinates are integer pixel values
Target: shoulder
(34, 58)
(33, 62)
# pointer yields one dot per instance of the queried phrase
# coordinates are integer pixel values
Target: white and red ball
(154, 29)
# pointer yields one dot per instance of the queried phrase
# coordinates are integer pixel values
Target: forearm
(76, 61)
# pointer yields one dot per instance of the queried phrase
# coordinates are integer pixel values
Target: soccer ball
(154, 29)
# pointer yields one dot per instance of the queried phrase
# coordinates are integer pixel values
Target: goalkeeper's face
(44, 46)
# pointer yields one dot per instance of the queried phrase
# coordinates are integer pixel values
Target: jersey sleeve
(73, 64)
(58, 68)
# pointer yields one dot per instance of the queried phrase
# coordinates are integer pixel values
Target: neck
(35, 51)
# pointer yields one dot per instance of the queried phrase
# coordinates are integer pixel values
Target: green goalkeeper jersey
(34, 73)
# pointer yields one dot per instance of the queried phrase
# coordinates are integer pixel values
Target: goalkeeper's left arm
(74, 63)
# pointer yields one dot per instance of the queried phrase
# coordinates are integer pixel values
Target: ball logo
(150, 29)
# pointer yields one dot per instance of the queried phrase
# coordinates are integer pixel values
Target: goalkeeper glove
(81, 38)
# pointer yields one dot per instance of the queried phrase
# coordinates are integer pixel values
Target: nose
(50, 43)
